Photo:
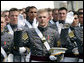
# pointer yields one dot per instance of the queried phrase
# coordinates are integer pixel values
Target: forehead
(14, 12)
(62, 11)
(75, 15)
(43, 14)
(6, 12)
(81, 10)
(32, 9)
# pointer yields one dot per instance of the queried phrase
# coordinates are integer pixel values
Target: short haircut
(75, 13)
(80, 9)
(49, 9)
(6, 11)
(80, 13)
(13, 9)
(42, 11)
(62, 8)
(55, 9)
(29, 7)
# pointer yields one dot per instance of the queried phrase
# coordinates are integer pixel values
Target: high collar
(54, 20)
(29, 20)
(13, 25)
(62, 21)
(42, 28)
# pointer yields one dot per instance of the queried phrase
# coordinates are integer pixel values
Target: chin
(42, 25)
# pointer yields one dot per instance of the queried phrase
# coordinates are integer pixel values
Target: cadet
(13, 15)
(54, 21)
(40, 39)
(6, 42)
(6, 14)
(71, 38)
(31, 13)
(80, 16)
(30, 21)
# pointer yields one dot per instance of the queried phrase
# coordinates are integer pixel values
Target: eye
(44, 16)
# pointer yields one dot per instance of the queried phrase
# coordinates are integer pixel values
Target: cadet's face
(81, 19)
(32, 13)
(6, 14)
(2, 23)
(14, 17)
(55, 15)
(50, 15)
(43, 19)
(62, 14)
(75, 21)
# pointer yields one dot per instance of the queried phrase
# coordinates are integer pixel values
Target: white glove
(22, 50)
(10, 58)
(75, 51)
(52, 58)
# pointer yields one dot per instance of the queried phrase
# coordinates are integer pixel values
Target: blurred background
(70, 5)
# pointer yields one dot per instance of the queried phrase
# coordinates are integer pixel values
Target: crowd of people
(28, 34)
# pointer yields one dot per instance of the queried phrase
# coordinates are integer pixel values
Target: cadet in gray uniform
(6, 41)
(31, 39)
(71, 38)
(54, 22)
(31, 13)
(80, 16)
(13, 15)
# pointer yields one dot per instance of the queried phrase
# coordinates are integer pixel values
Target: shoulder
(52, 25)
(53, 31)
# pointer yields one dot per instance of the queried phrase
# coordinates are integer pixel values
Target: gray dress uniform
(15, 52)
(79, 40)
(34, 42)
(53, 25)
(69, 43)
(14, 27)
(6, 43)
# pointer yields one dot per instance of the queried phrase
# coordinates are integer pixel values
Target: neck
(43, 26)
(54, 20)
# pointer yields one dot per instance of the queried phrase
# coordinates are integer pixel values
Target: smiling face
(62, 14)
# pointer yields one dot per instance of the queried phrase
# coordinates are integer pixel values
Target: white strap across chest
(10, 29)
(3, 52)
(42, 38)
(28, 24)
